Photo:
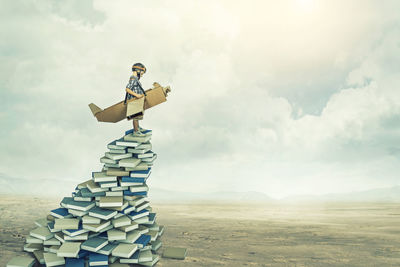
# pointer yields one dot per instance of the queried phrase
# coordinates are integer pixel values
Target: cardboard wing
(120, 110)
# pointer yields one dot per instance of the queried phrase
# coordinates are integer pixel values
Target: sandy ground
(330, 234)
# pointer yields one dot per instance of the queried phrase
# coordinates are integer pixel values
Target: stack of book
(108, 220)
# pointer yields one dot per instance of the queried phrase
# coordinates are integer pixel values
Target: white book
(140, 167)
(77, 213)
(111, 165)
(69, 249)
(124, 250)
(103, 177)
(114, 194)
(33, 240)
(90, 220)
(52, 242)
(132, 226)
(115, 234)
(33, 247)
(145, 256)
(126, 143)
(117, 151)
(21, 261)
(129, 162)
(81, 237)
(118, 156)
(121, 221)
(52, 259)
(139, 188)
(142, 206)
(96, 227)
(108, 160)
(41, 233)
(142, 220)
(111, 201)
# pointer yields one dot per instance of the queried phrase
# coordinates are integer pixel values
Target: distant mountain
(387, 194)
(159, 194)
(59, 188)
(42, 187)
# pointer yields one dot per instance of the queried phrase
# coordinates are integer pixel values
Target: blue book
(138, 214)
(96, 259)
(152, 217)
(129, 179)
(70, 203)
(82, 254)
(143, 240)
(71, 262)
(75, 232)
(59, 213)
(104, 214)
(94, 244)
(131, 131)
(129, 193)
(87, 193)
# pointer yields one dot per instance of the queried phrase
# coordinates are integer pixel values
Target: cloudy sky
(281, 97)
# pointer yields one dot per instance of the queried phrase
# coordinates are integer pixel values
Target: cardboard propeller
(120, 111)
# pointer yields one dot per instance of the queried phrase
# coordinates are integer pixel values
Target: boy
(135, 89)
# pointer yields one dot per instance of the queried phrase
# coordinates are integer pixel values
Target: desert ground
(268, 234)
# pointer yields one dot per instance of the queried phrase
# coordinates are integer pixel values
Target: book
(103, 177)
(90, 220)
(52, 242)
(143, 240)
(127, 228)
(111, 201)
(115, 234)
(97, 227)
(127, 143)
(139, 188)
(70, 203)
(117, 172)
(145, 256)
(121, 221)
(60, 213)
(104, 214)
(106, 250)
(132, 259)
(67, 223)
(108, 160)
(141, 173)
(39, 256)
(96, 259)
(94, 244)
(21, 261)
(129, 162)
(69, 249)
(114, 193)
(33, 240)
(31, 247)
(136, 215)
(138, 139)
(118, 151)
(81, 237)
(156, 245)
(75, 232)
(124, 250)
(131, 237)
(42, 233)
(113, 145)
(69, 262)
(153, 262)
(51, 259)
(140, 166)
(174, 253)
(118, 156)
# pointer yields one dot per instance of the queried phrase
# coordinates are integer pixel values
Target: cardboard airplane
(134, 106)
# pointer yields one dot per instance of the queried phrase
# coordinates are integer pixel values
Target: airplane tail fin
(95, 109)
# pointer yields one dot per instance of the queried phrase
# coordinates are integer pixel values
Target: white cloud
(281, 102)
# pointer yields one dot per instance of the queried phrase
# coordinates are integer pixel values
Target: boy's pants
(135, 109)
